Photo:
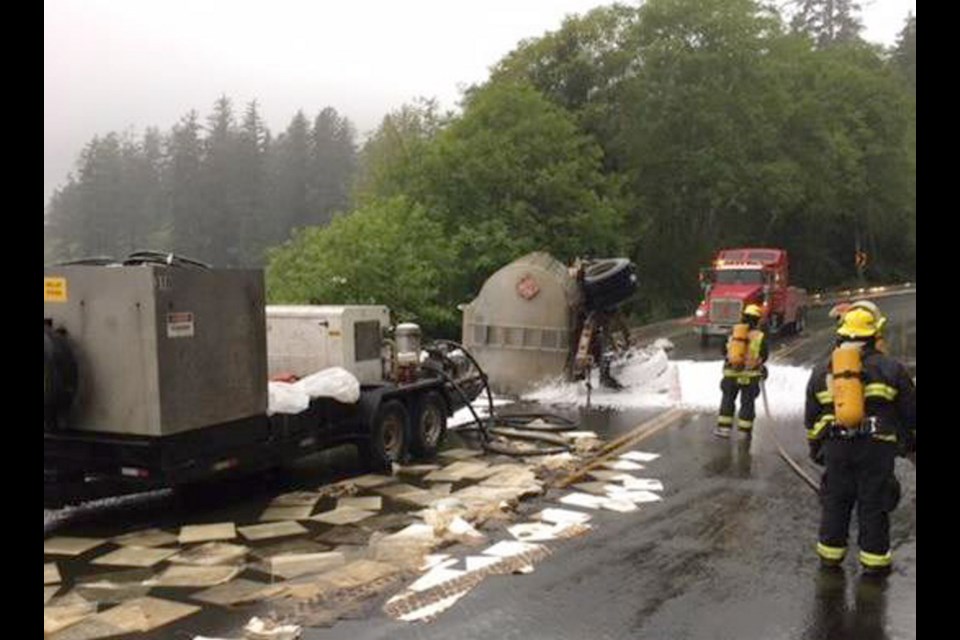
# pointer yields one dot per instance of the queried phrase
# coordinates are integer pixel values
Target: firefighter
(743, 369)
(861, 409)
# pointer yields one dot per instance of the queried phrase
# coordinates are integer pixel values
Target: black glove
(912, 441)
(816, 451)
(763, 371)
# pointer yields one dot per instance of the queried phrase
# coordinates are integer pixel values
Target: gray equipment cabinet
(160, 350)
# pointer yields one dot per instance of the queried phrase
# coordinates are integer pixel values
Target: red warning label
(180, 324)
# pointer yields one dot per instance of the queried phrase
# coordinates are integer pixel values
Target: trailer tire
(387, 442)
(609, 282)
(428, 426)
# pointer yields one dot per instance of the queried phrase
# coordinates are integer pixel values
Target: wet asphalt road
(728, 553)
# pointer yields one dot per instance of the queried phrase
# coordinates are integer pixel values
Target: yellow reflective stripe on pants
(744, 374)
(876, 559)
(745, 425)
(830, 553)
(816, 431)
(725, 420)
(880, 390)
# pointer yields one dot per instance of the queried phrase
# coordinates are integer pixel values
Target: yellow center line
(634, 436)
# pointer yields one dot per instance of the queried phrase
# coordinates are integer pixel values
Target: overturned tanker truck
(156, 368)
(537, 319)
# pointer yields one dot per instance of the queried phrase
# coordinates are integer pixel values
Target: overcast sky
(114, 65)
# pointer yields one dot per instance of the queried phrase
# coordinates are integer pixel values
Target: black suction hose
(484, 426)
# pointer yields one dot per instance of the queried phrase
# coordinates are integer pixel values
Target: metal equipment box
(304, 339)
(161, 350)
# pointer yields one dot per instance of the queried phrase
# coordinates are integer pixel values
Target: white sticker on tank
(180, 324)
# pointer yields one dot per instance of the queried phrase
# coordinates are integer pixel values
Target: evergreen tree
(184, 188)
(828, 22)
(220, 223)
(252, 214)
(290, 173)
(333, 162)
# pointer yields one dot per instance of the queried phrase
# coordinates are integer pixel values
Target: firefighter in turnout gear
(743, 368)
(861, 411)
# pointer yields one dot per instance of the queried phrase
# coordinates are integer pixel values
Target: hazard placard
(527, 287)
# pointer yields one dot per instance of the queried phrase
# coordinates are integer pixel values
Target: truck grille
(725, 311)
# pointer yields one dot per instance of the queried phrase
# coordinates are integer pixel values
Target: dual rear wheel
(397, 431)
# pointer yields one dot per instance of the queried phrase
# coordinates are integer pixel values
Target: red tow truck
(738, 277)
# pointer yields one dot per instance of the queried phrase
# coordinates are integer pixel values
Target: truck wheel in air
(428, 426)
(609, 282)
(388, 430)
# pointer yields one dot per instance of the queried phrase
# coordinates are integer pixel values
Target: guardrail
(861, 293)
(678, 325)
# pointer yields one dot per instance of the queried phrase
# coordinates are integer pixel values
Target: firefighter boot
(724, 427)
(875, 565)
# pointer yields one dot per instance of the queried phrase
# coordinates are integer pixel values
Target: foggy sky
(117, 65)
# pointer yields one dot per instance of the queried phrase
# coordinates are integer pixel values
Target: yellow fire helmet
(872, 308)
(753, 310)
(858, 323)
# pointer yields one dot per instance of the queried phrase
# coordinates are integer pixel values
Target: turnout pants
(859, 472)
(748, 388)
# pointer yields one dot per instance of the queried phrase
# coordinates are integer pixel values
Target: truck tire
(428, 426)
(776, 324)
(387, 442)
(609, 282)
(801, 322)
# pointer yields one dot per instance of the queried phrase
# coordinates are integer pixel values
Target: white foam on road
(651, 379)
(645, 374)
(482, 407)
(700, 387)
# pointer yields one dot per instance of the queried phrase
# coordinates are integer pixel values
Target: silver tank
(520, 325)
(408, 343)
